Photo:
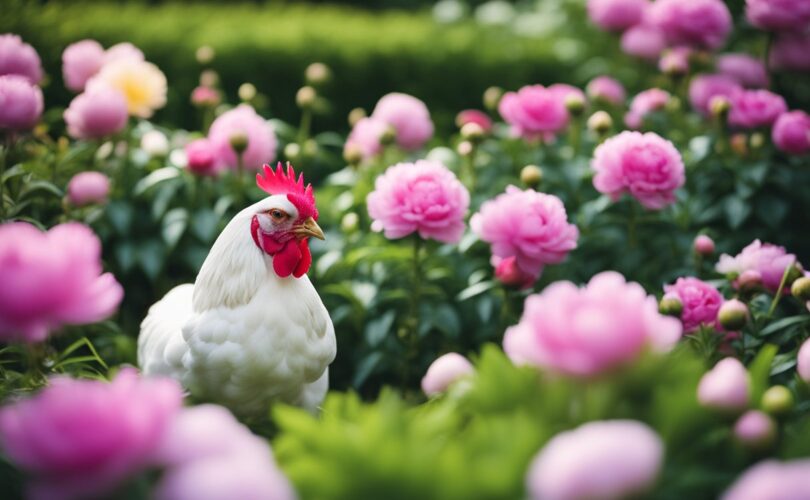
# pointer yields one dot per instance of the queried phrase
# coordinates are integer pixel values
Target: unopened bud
(492, 97)
(575, 104)
(749, 280)
(205, 54)
(310, 148)
(209, 78)
(239, 142)
(600, 123)
(247, 92)
(755, 430)
(719, 106)
(739, 144)
(670, 305)
(292, 151)
(356, 115)
(317, 73)
(777, 400)
(349, 222)
(673, 104)
(795, 272)
(305, 97)
(757, 140)
(531, 175)
(352, 154)
(801, 288)
(733, 314)
(464, 148)
(472, 132)
(703, 245)
(389, 136)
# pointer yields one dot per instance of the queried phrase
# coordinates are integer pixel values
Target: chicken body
(242, 336)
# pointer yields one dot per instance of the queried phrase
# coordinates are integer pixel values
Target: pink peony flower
(703, 245)
(509, 273)
(563, 91)
(767, 260)
(21, 103)
(675, 61)
(803, 361)
(80, 62)
(747, 70)
(532, 227)
(86, 188)
(586, 331)
(243, 119)
(474, 116)
(791, 132)
(703, 88)
(616, 15)
(409, 116)
(791, 52)
(201, 157)
(444, 372)
(702, 24)
(700, 300)
(755, 108)
(643, 41)
(97, 113)
(778, 15)
(725, 387)
(606, 89)
(123, 51)
(755, 429)
(644, 165)
(51, 279)
(534, 112)
(84, 438)
(203, 96)
(365, 136)
(19, 58)
(209, 455)
(608, 459)
(644, 103)
(771, 480)
(423, 197)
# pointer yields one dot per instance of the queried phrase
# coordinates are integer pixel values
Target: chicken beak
(309, 228)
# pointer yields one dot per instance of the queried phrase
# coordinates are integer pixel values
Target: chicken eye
(277, 215)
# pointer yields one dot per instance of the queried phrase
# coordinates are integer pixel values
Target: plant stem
(412, 339)
(778, 295)
(303, 128)
(631, 226)
(240, 181)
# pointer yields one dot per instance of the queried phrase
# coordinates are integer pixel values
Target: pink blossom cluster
(87, 439)
(644, 165)
(445, 371)
(704, 88)
(423, 197)
(606, 89)
(21, 102)
(701, 302)
(529, 227)
(643, 104)
(760, 262)
(52, 279)
(537, 112)
(587, 331)
(83, 60)
(86, 188)
(771, 479)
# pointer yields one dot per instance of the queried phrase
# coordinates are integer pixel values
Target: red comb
(279, 182)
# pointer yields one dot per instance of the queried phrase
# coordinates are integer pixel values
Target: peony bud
(508, 273)
(465, 148)
(600, 123)
(671, 305)
(444, 372)
(755, 430)
(352, 154)
(205, 97)
(155, 143)
(733, 314)
(725, 387)
(719, 106)
(801, 288)
(673, 104)
(472, 132)
(575, 104)
(201, 157)
(209, 78)
(305, 97)
(739, 144)
(292, 151)
(317, 73)
(247, 92)
(803, 361)
(356, 115)
(531, 175)
(239, 142)
(492, 97)
(796, 272)
(777, 400)
(749, 280)
(310, 148)
(389, 136)
(757, 140)
(205, 54)
(349, 222)
(703, 245)
(86, 188)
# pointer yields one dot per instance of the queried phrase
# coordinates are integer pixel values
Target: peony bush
(582, 289)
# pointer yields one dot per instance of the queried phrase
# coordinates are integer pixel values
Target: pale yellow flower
(141, 82)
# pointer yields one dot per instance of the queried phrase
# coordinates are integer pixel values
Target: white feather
(241, 336)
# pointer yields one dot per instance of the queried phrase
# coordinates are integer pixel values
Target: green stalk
(412, 339)
(303, 129)
(778, 295)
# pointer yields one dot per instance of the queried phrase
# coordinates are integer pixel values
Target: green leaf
(204, 224)
(125, 256)
(120, 214)
(163, 198)
(446, 319)
(174, 225)
(476, 289)
(783, 323)
(366, 367)
(158, 176)
(736, 211)
(15, 171)
(378, 328)
(150, 256)
(39, 186)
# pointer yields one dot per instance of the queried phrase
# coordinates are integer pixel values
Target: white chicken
(251, 330)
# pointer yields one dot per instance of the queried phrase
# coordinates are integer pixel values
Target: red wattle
(306, 259)
(285, 261)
